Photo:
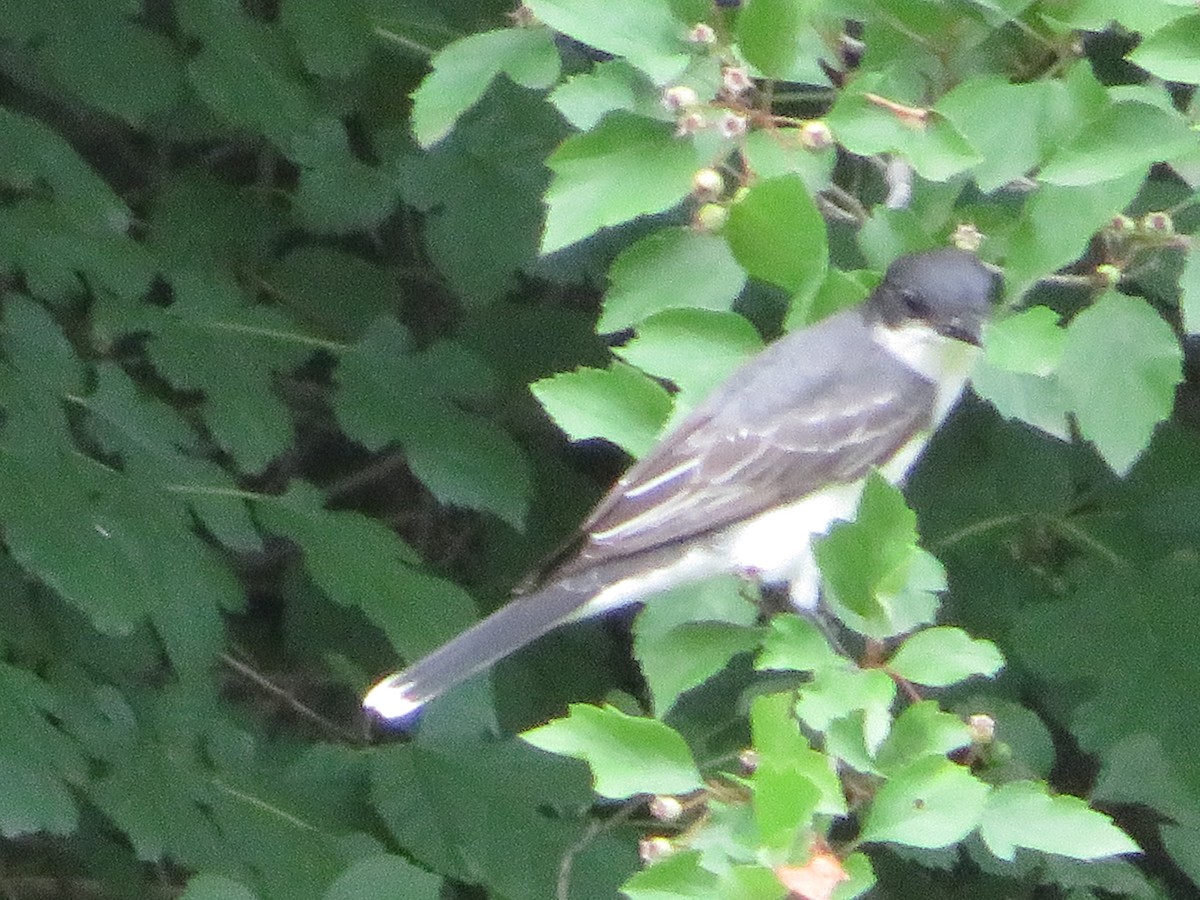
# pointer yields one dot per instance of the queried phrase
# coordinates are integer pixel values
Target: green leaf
(212, 886)
(1004, 122)
(1126, 608)
(839, 290)
(1030, 341)
(678, 876)
(796, 643)
(792, 782)
(110, 545)
(862, 877)
(1036, 399)
(308, 276)
(246, 73)
(1189, 286)
(438, 797)
(388, 393)
(1120, 367)
(679, 623)
(935, 148)
(1096, 15)
(768, 34)
(929, 803)
(922, 730)
(669, 269)
(118, 65)
(36, 346)
(689, 655)
(768, 154)
(642, 31)
(619, 404)
(1127, 138)
(777, 234)
(384, 878)
(722, 598)
(1172, 53)
(624, 168)
(695, 349)
(751, 882)
(1136, 770)
(1182, 842)
(359, 562)
(880, 582)
(463, 70)
(1056, 224)
(628, 755)
(338, 192)
(943, 656)
(480, 191)
(37, 762)
(31, 153)
(212, 340)
(586, 98)
(1023, 814)
(51, 248)
(153, 442)
(836, 693)
(333, 36)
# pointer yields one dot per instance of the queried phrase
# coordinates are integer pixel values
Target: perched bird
(747, 480)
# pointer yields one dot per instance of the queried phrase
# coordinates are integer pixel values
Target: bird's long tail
(505, 631)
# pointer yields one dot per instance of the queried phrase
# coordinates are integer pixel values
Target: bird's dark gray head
(948, 289)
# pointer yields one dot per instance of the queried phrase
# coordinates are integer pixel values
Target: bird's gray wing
(783, 429)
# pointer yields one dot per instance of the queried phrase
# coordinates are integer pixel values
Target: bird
(757, 471)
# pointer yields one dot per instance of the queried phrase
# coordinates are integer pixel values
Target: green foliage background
(270, 322)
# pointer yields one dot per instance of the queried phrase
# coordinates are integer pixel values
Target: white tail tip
(392, 699)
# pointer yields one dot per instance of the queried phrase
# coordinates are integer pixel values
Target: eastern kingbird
(752, 475)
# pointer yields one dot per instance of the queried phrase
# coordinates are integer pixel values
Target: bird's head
(948, 289)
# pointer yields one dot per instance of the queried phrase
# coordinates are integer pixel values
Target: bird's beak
(966, 330)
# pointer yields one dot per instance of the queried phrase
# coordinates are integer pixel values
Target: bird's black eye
(915, 303)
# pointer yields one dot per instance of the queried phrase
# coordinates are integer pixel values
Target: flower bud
(707, 184)
(690, 124)
(710, 218)
(1158, 223)
(967, 237)
(1122, 224)
(702, 33)
(748, 760)
(666, 808)
(982, 728)
(679, 97)
(735, 80)
(732, 125)
(815, 135)
(652, 849)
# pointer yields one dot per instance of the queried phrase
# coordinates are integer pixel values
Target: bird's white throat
(942, 360)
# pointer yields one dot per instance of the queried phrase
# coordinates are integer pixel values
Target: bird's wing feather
(778, 440)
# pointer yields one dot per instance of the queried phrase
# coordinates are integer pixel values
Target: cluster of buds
(1157, 224)
(689, 115)
(1125, 237)
(668, 810)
